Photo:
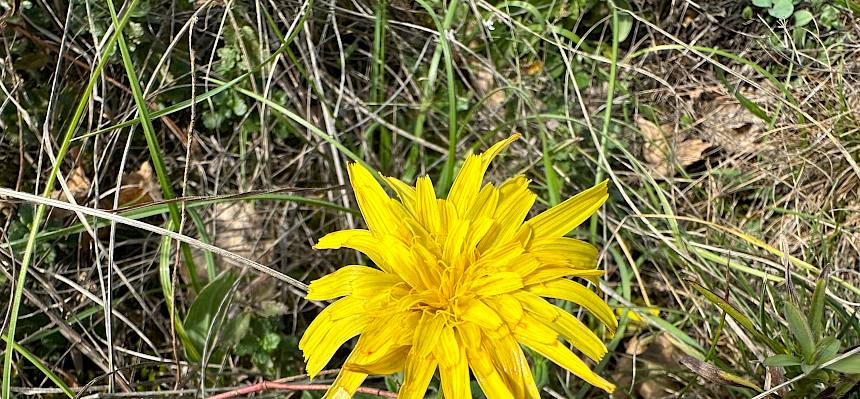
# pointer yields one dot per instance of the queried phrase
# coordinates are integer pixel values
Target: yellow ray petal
(503, 257)
(555, 272)
(427, 334)
(497, 283)
(515, 201)
(405, 192)
(425, 265)
(481, 363)
(478, 312)
(564, 250)
(400, 259)
(345, 384)
(479, 229)
(558, 321)
(454, 246)
(426, 206)
(455, 377)
(329, 335)
(564, 217)
(468, 181)
(534, 329)
(468, 334)
(341, 282)
(384, 334)
(449, 352)
(508, 307)
(563, 357)
(319, 327)
(416, 376)
(524, 265)
(340, 309)
(375, 204)
(389, 363)
(357, 239)
(511, 363)
(486, 203)
(580, 295)
(578, 334)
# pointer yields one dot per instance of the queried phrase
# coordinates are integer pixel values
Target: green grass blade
(377, 82)
(429, 87)
(742, 319)
(816, 312)
(166, 280)
(152, 144)
(552, 185)
(607, 112)
(44, 369)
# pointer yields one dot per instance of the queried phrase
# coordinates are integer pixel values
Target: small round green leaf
(802, 18)
(781, 9)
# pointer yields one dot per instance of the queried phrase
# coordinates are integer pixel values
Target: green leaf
(270, 341)
(236, 329)
(212, 120)
(238, 106)
(799, 328)
(204, 311)
(802, 18)
(762, 3)
(781, 360)
(262, 360)
(829, 17)
(826, 350)
(816, 313)
(625, 20)
(781, 9)
(849, 365)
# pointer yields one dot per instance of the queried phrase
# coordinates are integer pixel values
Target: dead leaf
(733, 127)
(652, 353)
(78, 184)
(662, 150)
(713, 374)
(139, 187)
(485, 83)
(77, 181)
(240, 228)
(689, 17)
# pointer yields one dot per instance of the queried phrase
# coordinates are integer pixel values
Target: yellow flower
(461, 284)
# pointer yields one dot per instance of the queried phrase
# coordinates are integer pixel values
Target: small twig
(262, 386)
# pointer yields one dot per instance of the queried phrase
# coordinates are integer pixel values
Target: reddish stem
(262, 386)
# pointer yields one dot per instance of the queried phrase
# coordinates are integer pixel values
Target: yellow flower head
(461, 284)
